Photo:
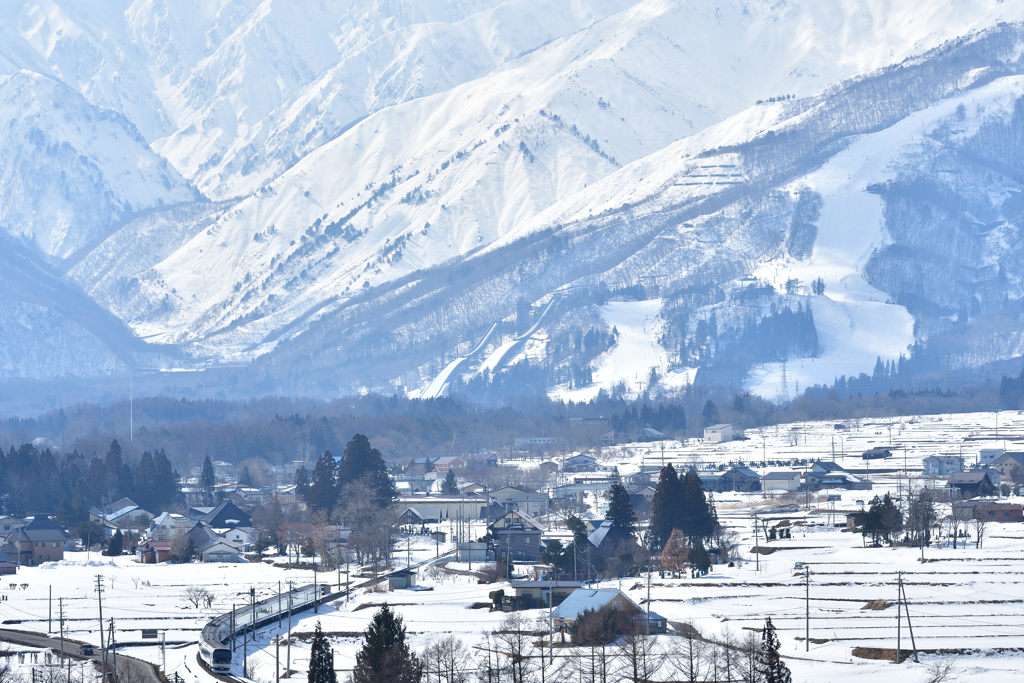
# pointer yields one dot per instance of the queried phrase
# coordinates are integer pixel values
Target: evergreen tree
(321, 659)
(359, 461)
(302, 481)
(385, 656)
(323, 488)
(245, 479)
(80, 502)
(772, 669)
(579, 531)
(167, 487)
(710, 413)
(116, 546)
(146, 483)
(620, 510)
(698, 556)
(62, 515)
(695, 517)
(207, 480)
(449, 486)
(664, 508)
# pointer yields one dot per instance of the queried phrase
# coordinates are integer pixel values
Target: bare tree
(639, 659)
(979, 529)
(750, 658)
(690, 660)
(196, 595)
(729, 662)
(131, 671)
(513, 641)
(446, 660)
(8, 674)
(943, 671)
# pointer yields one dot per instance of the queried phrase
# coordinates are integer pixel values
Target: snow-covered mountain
(351, 194)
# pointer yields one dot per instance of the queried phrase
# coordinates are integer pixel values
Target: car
(85, 649)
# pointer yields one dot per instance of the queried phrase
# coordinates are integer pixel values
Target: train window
(222, 656)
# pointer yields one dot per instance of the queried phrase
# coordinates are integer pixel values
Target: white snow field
(964, 603)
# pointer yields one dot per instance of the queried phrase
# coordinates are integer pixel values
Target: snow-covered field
(965, 600)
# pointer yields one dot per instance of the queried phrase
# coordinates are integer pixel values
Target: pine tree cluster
(680, 504)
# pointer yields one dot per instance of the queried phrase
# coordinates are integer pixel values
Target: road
(148, 671)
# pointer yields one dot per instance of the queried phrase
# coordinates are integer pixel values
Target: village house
(581, 462)
(970, 483)
(8, 524)
(942, 465)
(536, 594)
(1007, 462)
(780, 482)
(532, 503)
(991, 511)
(517, 537)
(153, 552)
(584, 599)
(741, 479)
(41, 540)
(449, 463)
(7, 564)
(227, 515)
(168, 525)
(718, 433)
(824, 474)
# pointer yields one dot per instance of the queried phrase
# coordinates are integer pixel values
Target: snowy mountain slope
(444, 175)
(694, 219)
(401, 174)
(69, 170)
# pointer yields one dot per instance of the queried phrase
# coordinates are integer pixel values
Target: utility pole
(910, 626)
(291, 588)
(60, 602)
(113, 648)
(757, 549)
(279, 604)
(49, 612)
(277, 659)
(899, 616)
(103, 649)
(807, 608)
(163, 652)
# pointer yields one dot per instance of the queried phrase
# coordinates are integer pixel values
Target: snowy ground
(968, 600)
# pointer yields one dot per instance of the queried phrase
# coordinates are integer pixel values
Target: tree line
(38, 481)
(513, 652)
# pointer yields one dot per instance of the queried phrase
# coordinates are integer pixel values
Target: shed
(403, 578)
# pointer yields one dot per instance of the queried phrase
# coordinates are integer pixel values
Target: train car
(216, 656)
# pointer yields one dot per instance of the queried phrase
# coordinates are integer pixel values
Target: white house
(942, 465)
(532, 503)
(718, 433)
(987, 456)
(780, 481)
(167, 526)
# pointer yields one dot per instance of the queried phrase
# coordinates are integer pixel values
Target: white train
(215, 638)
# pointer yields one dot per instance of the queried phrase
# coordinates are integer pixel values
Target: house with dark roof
(970, 483)
(227, 515)
(7, 564)
(824, 474)
(41, 540)
(517, 537)
(212, 547)
(741, 479)
(608, 536)
(876, 453)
